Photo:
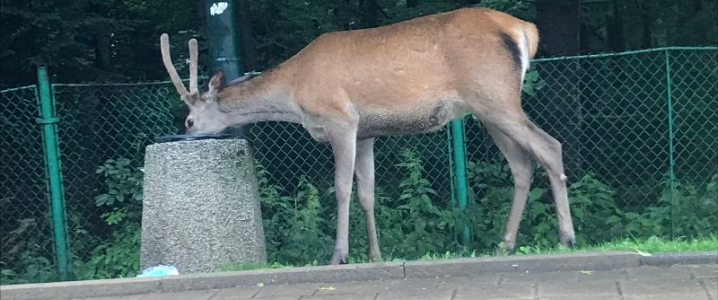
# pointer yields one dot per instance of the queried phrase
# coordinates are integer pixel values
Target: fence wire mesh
(99, 123)
(24, 208)
(288, 152)
(644, 125)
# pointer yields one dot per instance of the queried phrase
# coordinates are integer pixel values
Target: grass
(648, 246)
(643, 246)
(658, 245)
(251, 266)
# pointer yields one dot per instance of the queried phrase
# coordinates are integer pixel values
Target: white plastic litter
(161, 270)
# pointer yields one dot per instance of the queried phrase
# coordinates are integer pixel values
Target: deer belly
(374, 124)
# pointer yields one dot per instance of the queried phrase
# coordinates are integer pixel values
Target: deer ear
(217, 83)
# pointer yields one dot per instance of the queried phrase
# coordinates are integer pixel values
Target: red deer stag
(346, 88)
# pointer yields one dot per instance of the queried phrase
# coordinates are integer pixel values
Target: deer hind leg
(550, 154)
(522, 169)
(343, 141)
(364, 170)
(547, 150)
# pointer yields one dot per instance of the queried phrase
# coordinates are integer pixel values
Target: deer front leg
(343, 142)
(364, 170)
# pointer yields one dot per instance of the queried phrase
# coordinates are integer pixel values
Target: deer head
(204, 114)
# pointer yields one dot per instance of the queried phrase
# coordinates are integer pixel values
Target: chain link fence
(98, 123)
(287, 152)
(645, 124)
(25, 230)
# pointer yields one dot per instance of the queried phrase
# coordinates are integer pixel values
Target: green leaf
(613, 219)
(8, 272)
(538, 208)
(578, 213)
(536, 194)
(632, 215)
(543, 226)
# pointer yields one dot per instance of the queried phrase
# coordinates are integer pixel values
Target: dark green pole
(462, 187)
(48, 121)
(224, 43)
(223, 37)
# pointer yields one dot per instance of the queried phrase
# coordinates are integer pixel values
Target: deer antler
(193, 66)
(165, 47)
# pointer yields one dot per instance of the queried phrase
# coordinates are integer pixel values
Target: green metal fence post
(48, 121)
(669, 99)
(462, 187)
(452, 184)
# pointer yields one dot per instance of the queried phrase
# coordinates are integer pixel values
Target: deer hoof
(507, 249)
(339, 259)
(571, 242)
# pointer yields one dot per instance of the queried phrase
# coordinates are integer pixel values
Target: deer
(347, 88)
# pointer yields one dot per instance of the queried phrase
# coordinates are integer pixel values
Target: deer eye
(190, 123)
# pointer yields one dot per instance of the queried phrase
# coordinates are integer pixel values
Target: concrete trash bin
(201, 206)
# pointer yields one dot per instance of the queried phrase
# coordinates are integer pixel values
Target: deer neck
(259, 99)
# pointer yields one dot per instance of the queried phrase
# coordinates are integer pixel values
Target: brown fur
(404, 67)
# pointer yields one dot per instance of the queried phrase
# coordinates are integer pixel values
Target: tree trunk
(616, 38)
(246, 38)
(558, 24)
(464, 3)
(102, 56)
(646, 25)
(585, 41)
(371, 12)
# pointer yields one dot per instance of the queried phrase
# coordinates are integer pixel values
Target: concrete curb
(684, 258)
(511, 264)
(82, 289)
(354, 272)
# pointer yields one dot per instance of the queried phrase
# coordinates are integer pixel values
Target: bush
(595, 214)
(33, 268)
(689, 210)
(119, 256)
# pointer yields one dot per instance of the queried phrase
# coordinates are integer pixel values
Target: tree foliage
(117, 40)
(86, 40)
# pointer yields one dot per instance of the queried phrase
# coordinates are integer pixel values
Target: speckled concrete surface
(201, 206)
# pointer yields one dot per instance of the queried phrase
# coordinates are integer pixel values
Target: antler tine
(176, 80)
(193, 66)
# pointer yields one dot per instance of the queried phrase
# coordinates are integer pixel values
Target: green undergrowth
(416, 218)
